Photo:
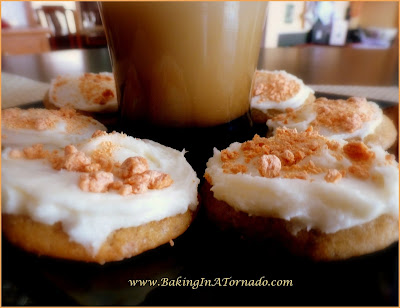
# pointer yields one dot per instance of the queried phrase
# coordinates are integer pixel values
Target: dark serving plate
(205, 267)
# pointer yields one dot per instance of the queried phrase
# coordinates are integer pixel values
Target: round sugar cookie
(351, 119)
(51, 240)
(106, 199)
(89, 93)
(356, 241)
(321, 198)
(274, 92)
(26, 127)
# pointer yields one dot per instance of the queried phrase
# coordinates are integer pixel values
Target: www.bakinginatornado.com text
(215, 282)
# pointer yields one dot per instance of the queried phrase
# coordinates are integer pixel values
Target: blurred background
(40, 26)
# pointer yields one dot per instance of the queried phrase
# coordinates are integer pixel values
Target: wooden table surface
(313, 64)
(335, 65)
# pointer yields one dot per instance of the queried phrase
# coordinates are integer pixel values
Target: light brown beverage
(183, 64)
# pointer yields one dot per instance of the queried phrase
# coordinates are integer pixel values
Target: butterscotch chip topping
(274, 87)
(44, 119)
(305, 177)
(333, 176)
(227, 155)
(288, 145)
(230, 167)
(100, 173)
(139, 182)
(95, 181)
(339, 116)
(15, 154)
(343, 115)
(94, 90)
(99, 133)
(104, 150)
(301, 175)
(358, 151)
(208, 178)
(359, 171)
(284, 151)
(125, 190)
(75, 160)
(133, 165)
(288, 157)
(35, 152)
(269, 166)
(292, 154)
(159, 180)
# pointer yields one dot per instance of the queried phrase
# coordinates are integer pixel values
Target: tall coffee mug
(183, 64)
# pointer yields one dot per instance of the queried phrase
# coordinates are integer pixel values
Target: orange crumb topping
(359, 171)
(99, 172)
(337, 115)
(96, 88)
(99, 133)
(208, 178)
(389, 159)
(103, 155)
(269, 166)
(230, 167)
(133, 165)
(288, 145)
(361, 157)
(125, 190)
(274, 87)
(60, 81)
(35, 152)
(342, 115)
(75, 160)
(15, 154)
(301, 175)
(333, 176)
(358, 151)
(227, 155)
(289, 154)
(95, 181)
(44, 119)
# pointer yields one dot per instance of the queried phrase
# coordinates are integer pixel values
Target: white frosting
(67, 91)
(315, 203)
(58, 136)
(305, 117)
(294, 102)
(34, 188)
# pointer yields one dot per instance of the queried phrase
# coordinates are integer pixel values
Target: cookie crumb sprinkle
(269, 166)
(333, 176)
(44, 119)
(99, 172)
(274, 87)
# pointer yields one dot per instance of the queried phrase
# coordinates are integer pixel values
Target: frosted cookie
(321, 198)
(273, 92)
(107, 199)
(58, 128)
(354, 118)
(92, 94)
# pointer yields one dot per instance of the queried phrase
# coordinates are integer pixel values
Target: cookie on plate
(26, 127)
(321, 198)
(273, 92)
(351, 119)
(106, 199)
(89, 93)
